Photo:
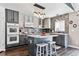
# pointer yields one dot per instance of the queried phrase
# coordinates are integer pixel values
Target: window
(60, 26)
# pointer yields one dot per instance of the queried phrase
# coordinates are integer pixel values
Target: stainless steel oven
(12, 39)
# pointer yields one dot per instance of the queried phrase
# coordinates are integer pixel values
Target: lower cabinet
(22, 40)
(60, 40)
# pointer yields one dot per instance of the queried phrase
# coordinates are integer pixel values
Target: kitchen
(27, 25)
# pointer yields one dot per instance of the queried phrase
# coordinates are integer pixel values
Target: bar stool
(42, 49)
(52, 48)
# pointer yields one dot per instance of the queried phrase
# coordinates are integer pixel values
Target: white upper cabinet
(28, 21)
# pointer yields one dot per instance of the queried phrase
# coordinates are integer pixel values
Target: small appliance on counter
(43, 33)
(46, 30)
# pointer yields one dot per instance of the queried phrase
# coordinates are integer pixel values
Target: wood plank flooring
(16, 51)
(23, 51)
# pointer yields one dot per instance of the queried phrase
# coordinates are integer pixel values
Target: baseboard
(2, 50)
(73, 46)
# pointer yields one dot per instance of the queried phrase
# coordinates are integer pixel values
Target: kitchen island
(60, 39)
(36, 39)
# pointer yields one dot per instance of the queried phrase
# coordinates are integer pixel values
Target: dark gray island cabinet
(62, 40)
(36, 39)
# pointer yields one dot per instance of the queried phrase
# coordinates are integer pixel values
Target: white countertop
(59, 34)
(40, 36)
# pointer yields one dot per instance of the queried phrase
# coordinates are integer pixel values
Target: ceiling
(26, 8)
(51, 9)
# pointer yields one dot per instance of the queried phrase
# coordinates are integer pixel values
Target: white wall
(21, 19)
(35, 22)
(2, 29)
(74, 32)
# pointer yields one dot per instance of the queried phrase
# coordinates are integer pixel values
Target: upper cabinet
(28, 21)
(12, 16)
(16, 16)
(31, 21)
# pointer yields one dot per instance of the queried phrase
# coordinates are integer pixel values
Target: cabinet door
(16, 17)
(62, 40)
(9, 16)
(21, 40)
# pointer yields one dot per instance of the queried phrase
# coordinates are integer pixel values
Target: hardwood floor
(16, 51)
(68, 52)
(23, 51)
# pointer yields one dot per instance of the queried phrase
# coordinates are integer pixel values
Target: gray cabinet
(22, 40)
(16, 17)
(9, 15)
(60, 40)
(12, 16)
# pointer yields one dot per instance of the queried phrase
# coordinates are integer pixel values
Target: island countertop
(42, 36)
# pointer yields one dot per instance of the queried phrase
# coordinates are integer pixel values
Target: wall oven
(12, 29)
(12, 39)
(12, 33)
